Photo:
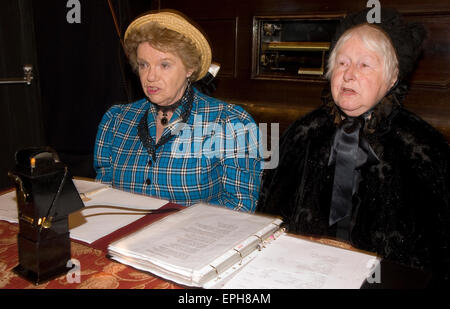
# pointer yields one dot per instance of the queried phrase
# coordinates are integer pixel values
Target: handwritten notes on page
(295, 263)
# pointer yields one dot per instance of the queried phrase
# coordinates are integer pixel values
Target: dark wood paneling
(433, 105)
(433, 69)
(285, 101)
(222, 35)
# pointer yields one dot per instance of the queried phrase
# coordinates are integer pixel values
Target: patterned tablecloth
(96, 270)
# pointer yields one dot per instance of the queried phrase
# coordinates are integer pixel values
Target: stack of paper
(195, 245)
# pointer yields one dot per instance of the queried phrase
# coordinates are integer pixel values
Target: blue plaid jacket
(211, 158)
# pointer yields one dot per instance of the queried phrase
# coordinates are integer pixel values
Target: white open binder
(214, 247)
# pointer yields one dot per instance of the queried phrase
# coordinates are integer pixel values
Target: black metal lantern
(46, 195)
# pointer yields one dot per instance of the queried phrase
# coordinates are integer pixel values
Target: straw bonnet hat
(175, 21)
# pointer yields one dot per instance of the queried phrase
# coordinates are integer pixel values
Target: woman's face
(163, 75)
(357, 81)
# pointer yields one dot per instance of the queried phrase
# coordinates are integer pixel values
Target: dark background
(80, 69)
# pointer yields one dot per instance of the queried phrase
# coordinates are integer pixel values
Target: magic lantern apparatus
(46, 195)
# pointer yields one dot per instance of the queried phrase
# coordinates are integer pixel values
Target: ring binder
(261, 244)
(240, 254)
(217, 272)
(197, 245)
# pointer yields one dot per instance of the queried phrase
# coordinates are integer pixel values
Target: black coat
(401, 209)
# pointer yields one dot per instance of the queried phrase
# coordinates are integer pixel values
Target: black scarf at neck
(350, 151)
(143, 130)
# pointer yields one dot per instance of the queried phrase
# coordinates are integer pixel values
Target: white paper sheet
(8, 207)
(92, 223)
(97, 220)
(293, 263)
(8, 201)
(87, 188)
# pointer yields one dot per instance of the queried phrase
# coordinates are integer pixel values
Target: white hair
(374, 39)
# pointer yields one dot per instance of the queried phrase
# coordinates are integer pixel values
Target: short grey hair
(375, 39)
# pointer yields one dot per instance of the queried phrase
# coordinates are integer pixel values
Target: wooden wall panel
(433, 70)
(222, 35)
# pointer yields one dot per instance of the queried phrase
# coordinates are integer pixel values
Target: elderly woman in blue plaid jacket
(177, 143)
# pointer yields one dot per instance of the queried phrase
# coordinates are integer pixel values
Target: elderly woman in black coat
(361, 168)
